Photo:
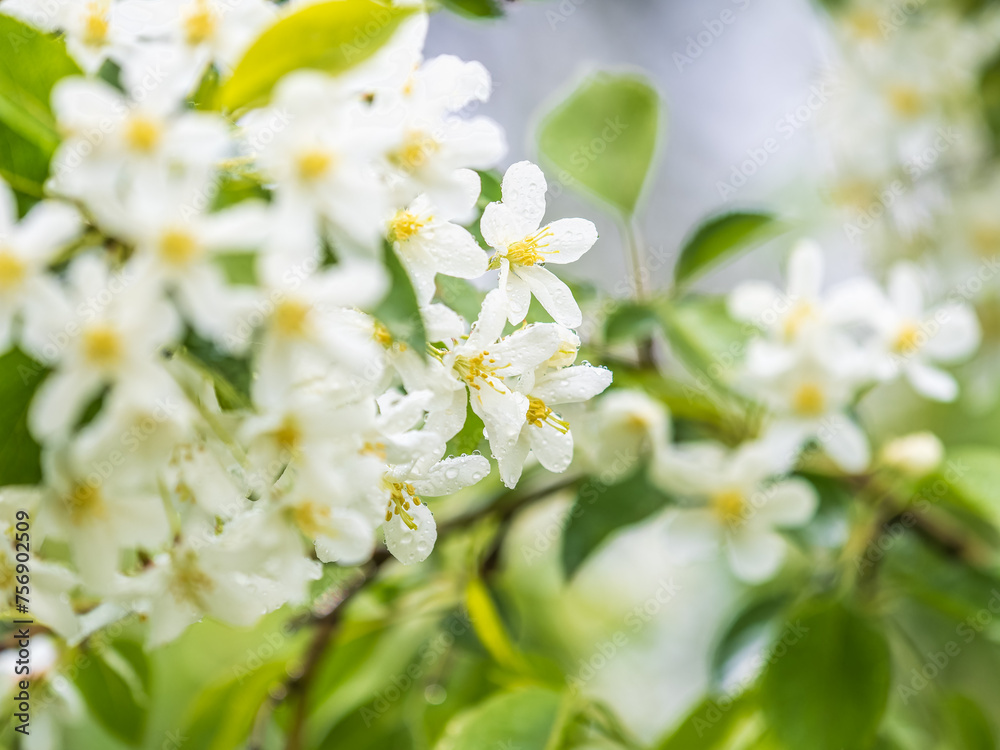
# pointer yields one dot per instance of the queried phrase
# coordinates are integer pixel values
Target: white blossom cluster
(154, 496)
(819, 351)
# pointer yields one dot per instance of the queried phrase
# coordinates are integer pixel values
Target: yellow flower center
(143, 133)
(405, 225)
(809, 400)
(288, 435)
(400, 497)
(909, 339)
(95, 24)
(798, 317)
(382, 335)
(865, 24)
(188, 582)
(314, 163)
(12, 270)
(986, 239)
(728, 506)
(312, 518)
(472, 370)
(200, 23)
(291, 318)
(84, 503)
(906, 100)
(178, 247)
(102, 346)
(524, 252)
(539, 414)
(416, 149)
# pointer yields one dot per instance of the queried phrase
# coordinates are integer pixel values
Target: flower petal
(523, 192)
(411, 545)
(452, 475)
(572, 384)
(552, 294)
(567, 240)
(931, 382)
(754, 556)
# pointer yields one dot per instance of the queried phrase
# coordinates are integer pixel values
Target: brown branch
(326, 623)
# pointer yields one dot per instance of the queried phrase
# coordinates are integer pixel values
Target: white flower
(308, 318)
(737, 506)
(323, 513)
(177, 245)
(26, 249)
(434, 148)
(111, 144)
(802, 313)
(254, 566)
(410, 531)
(320, 146)
(482, 362)
(99, 508)
(105, 328)
(914, 337)
(511, 228)
(427, 244)
(545, 433)
(624, 427)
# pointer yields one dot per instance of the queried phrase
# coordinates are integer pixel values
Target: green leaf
(20, 377)
(720, 239)
(330, 36)
(712, 724)
(630, 321)
(112, 700)
(603, 137)
(399, 311)
(968, 725)
(524, 720)
(601, 509)
(490, 628)
(475, 8)
(971, 479)
(30, 64)
(460, 296)
(223, 715)
(469, 437)
(231, 376)
(238, 268)
(828, 690)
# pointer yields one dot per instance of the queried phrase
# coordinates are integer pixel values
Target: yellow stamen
(905, 100)
(539, 414)
(178, 247)
(482, 367)
(728, 506)
(312, 518)
(525, 252)
(143, 133)
(801, 314)
(291, 318)
(84, 503)
(12, 270)
(288, 435)
(188, 582)
(909, 339)
(809, 400)
(102, 345)
(95, 24)
(400, 497)
(405, 225)
(314, 164)
(382, 335)
(200, 23)
(416, 149)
